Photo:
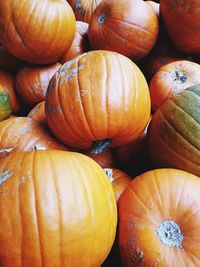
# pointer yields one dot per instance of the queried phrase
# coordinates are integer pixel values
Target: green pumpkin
(5, 105)
(174, 132)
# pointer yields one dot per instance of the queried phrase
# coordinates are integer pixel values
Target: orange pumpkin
(119, 180)
(84, 9)
(7, 86)
(104, 159)
(174, 130)
(25, 134)
(100, 96)
(37, 113)
(80, 43)
(37, 31)
(159, 220)
(56, 209)
(155, 6)
(126, 27)
(32, 82)
(182, 22)
(171, 79)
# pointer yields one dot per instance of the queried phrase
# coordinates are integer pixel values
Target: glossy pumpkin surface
(126, 27)
(98, 96)
(25, 134)
(37, 31)
(60, 210)
(159, 220)
(173, 133)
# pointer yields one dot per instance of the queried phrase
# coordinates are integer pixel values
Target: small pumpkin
(159, 220)
(55, 205)
(25, 134)
(182, 23)
(119, 180)
(127, 27)
(102, 93)
(32, 81)
(171, 79)
(84, 9)
(174, 130)
(80, 43)
(37, 113)
(39, 31)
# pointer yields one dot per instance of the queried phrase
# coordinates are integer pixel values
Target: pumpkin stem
(180, 77)
(170, 234)
(100, 146)
(109, 173)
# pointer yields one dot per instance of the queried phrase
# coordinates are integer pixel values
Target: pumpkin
(25, 134)
(37, 113)
(80, 43)
(126, 27)
(182, 23)
(84, 9)
(159, 220)
(63, 210)
(119, 180)
(8, 62)
(96, 99)
(37, 31)
(155, 6)
(171, 79)
(8, 87)
(104, 159)
(174, 130)
(32, 82)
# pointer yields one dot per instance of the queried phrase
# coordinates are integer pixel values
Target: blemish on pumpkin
(73, 72)
(179, 77)
(5, 175)
(101, 19)
(67, 65)
(170, 234)
(109, 173)
(138, 255)
(78, 7)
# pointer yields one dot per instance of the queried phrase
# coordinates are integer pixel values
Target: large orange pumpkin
(32, 81)
(99, 96)
(25, 134)
(37, 31)
(159, 220)
(56, 209)
(84, 9)
(182, 22)
(171, 79)
(80, 43)
(174, 131)
(126, 27)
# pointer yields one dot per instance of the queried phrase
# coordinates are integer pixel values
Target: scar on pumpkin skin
(5, 175)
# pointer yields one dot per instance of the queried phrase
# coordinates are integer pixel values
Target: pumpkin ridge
(190, 142)
(175, 152)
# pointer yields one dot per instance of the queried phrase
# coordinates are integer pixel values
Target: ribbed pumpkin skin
(39, 31)
(155, 197)
(25, 134)
(127, 27)
(80, 43)
(173, 134)
(37, 113)
(63, 210)
(84, 9)
(171, 79)
(105, 159)
(99, 95)
(7, 85)
(184, 32)
(32, 82)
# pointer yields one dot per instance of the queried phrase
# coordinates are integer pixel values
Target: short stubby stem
(101, 19)
(100, 146)
(179, 77)
(170, 234)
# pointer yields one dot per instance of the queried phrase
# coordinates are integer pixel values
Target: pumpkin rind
(173, 133)
(37, 31)
(63, 210)
(153, 199)
(38, 113)
(102, 93)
